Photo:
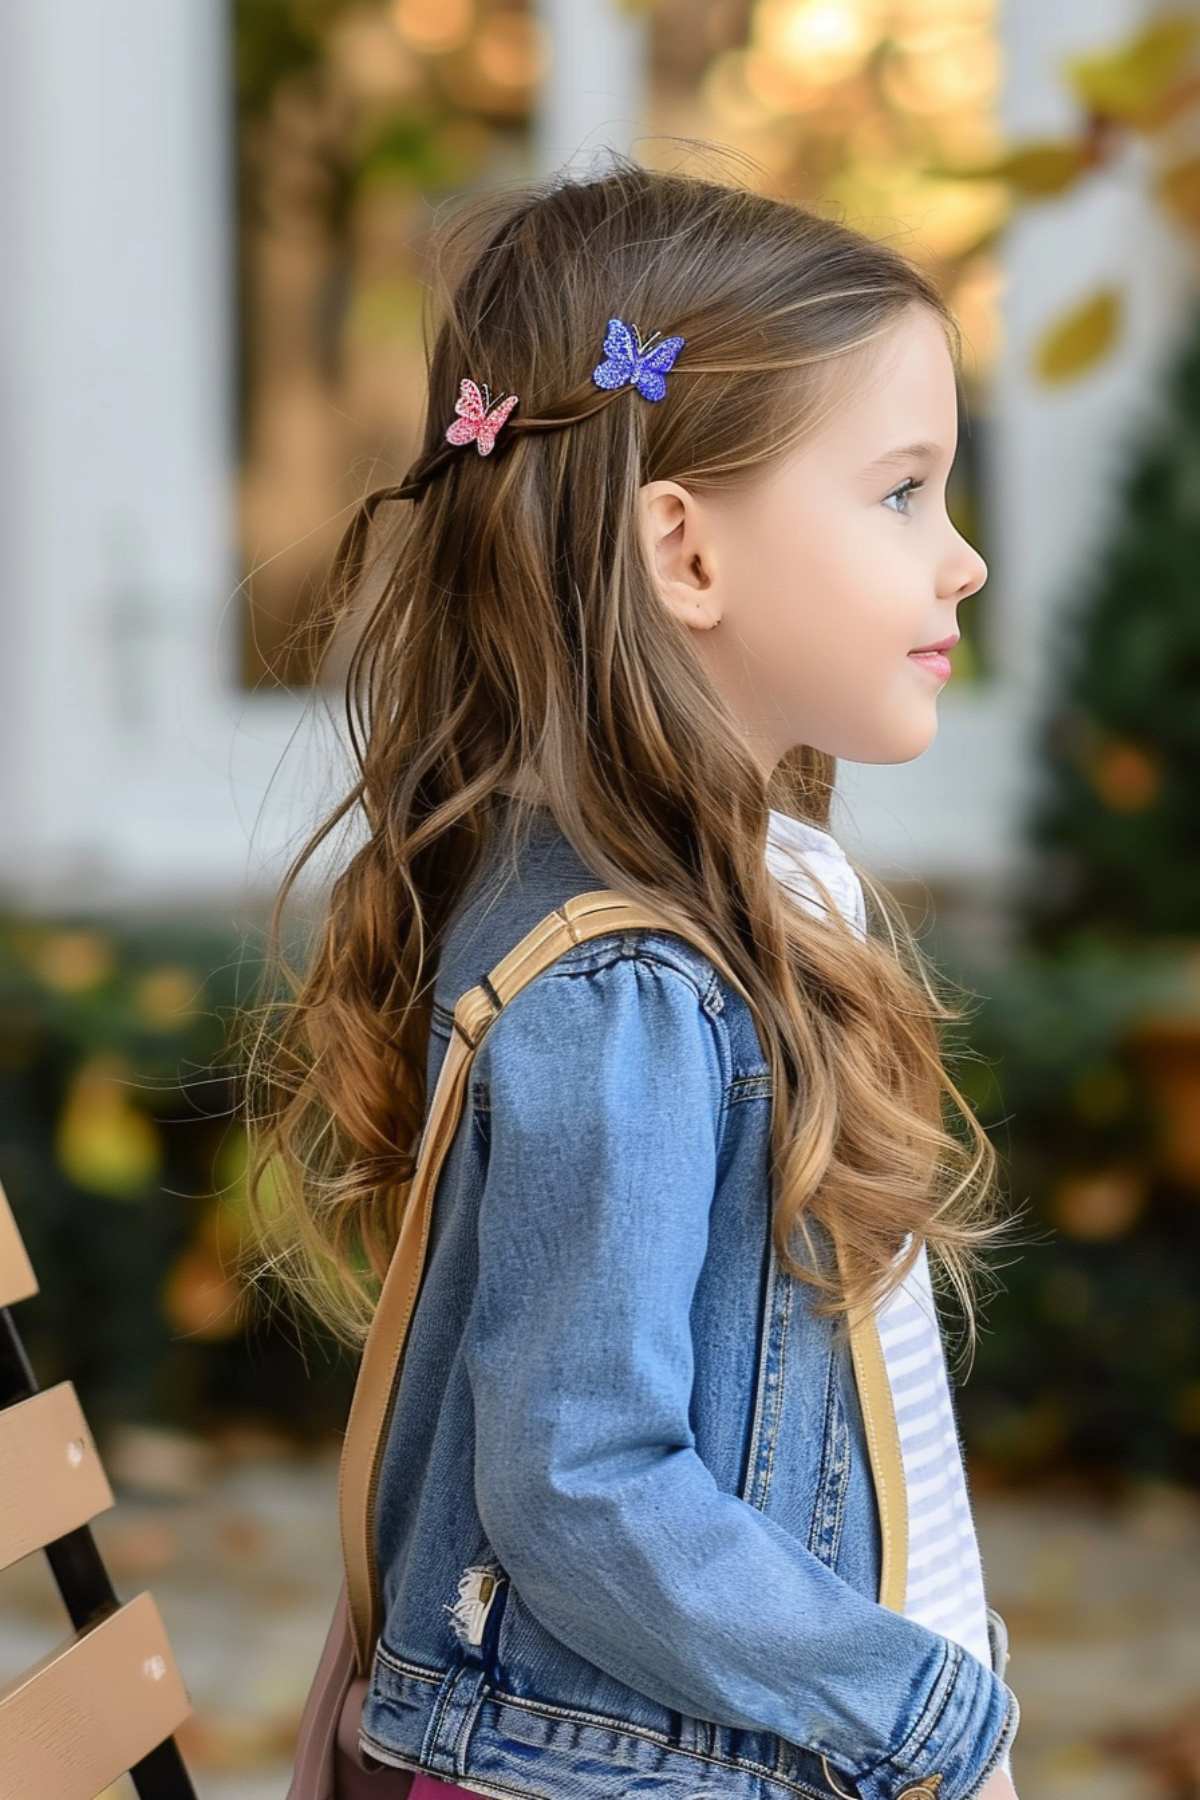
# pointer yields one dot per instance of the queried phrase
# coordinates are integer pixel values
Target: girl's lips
(936, 661)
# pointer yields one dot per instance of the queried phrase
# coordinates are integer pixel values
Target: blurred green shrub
(122, 1158)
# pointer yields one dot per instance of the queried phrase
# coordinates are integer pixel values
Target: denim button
(925, 1789)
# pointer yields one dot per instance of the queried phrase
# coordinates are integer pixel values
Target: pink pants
(428, 1787)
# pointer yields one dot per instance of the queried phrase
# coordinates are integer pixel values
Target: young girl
(676, 541)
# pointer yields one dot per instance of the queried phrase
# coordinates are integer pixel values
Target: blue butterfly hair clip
(628, 360)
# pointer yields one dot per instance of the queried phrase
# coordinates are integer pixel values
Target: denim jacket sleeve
(605, 1088)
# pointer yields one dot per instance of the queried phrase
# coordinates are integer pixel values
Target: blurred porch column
(595, 93)
(117, 561)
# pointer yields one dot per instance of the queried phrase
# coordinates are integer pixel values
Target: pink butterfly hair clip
(478, 420)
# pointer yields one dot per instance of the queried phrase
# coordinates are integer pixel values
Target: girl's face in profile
(826, 574)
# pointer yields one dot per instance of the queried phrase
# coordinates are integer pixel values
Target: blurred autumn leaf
(1130, 83)
(1179, 190)
(1081, 338)
(72, 961)
(1142, 85)
(1034, 169)
(200, 1296)
(105, 1142)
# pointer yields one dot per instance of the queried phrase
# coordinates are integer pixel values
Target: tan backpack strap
(583, 917)
(883, 1447)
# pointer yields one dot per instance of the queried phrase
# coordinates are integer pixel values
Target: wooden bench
(105, 1701)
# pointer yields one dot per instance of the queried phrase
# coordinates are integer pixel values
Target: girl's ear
(679, 553)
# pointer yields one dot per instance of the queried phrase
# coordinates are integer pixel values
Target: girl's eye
(909, 486)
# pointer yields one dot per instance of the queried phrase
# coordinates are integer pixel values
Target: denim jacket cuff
(963, 1735)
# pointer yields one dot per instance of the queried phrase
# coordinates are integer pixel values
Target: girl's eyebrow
(922, 452)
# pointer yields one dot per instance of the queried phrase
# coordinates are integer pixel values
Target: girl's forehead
(895, 394)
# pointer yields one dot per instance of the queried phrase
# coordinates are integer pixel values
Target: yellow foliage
(1080, 338)
(1044, 166)
(1179, 190)
(1129, 83)
(1036, 168)
(73, 961)
(164, 997)
(1175, 100)
(103, 1141)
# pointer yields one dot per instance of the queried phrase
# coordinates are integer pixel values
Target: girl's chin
(895, 735)
(916, 738)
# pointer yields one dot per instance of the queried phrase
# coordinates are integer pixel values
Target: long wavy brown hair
(514, 652)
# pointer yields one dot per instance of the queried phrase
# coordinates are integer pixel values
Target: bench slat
(17, 1280)
(92, 1708)
(53, 1478)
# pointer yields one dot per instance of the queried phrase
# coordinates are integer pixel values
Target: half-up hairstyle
(515, 645)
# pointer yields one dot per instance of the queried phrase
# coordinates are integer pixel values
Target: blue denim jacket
(626, 1525)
